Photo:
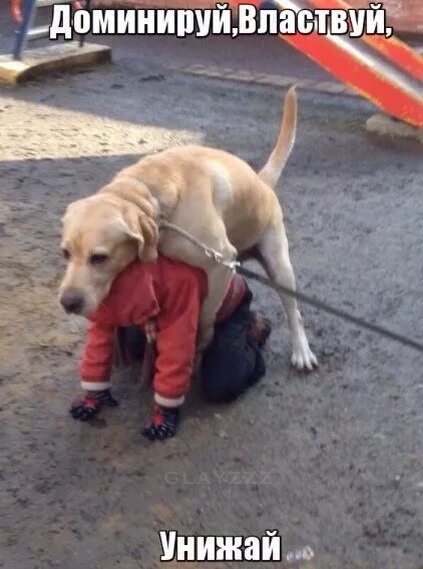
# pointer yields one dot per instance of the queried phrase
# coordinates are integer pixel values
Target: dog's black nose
(72, 302)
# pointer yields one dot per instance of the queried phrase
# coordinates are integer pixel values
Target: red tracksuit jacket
(169, 291)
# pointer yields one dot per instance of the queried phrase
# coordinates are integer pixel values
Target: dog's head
(102, 234)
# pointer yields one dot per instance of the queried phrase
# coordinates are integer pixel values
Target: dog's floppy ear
(143, 229)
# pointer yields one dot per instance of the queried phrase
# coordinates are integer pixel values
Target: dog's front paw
(303, 358)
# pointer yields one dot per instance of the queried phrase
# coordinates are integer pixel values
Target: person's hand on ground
(87, 406)
(163, 423)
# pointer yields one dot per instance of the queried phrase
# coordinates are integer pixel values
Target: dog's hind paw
(303, 358)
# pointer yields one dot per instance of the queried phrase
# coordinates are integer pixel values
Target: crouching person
(171, 293)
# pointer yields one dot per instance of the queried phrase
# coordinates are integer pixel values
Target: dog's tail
(272, 170)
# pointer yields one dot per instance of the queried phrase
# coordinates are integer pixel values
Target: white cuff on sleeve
(95, 385)
(167, 402)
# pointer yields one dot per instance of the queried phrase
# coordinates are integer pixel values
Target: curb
(386, 126)
(244, 76)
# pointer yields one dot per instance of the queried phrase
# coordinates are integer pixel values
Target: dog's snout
(72, 302)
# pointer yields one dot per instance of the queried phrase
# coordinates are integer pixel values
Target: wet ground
(334, 459)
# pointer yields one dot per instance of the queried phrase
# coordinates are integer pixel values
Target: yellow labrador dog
(209, 193)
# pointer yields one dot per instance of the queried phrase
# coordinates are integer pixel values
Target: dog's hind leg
(212, 232)
(218, 277)
(218, 280)
(274, 255)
